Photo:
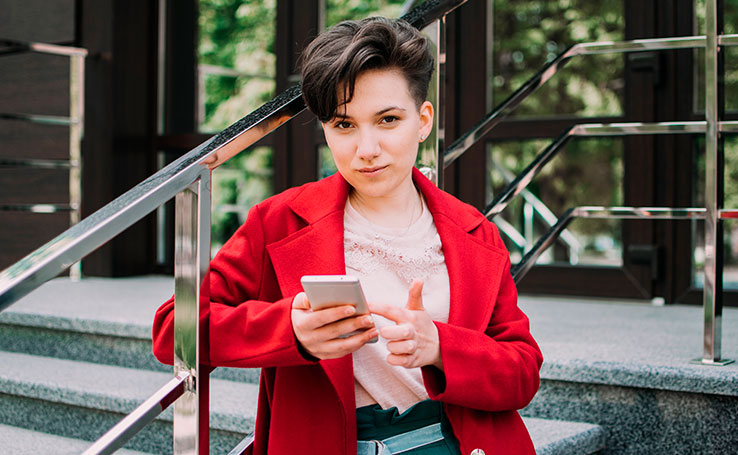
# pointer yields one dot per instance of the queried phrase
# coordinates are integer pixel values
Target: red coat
(490, 360)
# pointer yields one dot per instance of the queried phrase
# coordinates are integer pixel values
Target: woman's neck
(395, 211)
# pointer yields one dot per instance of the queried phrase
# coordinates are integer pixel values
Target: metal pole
(76, 133)
(431, 151)
(714, 106)
(191, 297)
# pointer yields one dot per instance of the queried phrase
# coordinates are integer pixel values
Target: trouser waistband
(402, 442)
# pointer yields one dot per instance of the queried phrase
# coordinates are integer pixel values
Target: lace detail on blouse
(408, 261)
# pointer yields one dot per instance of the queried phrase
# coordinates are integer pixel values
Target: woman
(455, 358)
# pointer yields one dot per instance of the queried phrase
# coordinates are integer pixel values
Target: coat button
(477, 452)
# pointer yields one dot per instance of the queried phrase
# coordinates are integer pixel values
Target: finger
(400, 360)
(390, 312)
(405, 347)
(415, 296)
(398, 332)
(320, 318)
(339, 347)
(300, 302)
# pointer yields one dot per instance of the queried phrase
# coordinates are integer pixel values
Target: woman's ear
(426, 120)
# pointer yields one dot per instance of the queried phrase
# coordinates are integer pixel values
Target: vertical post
(714, 106)
(431, 150)
(76, 133)
(191, 300)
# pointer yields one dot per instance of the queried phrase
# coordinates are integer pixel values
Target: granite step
(19, 441)
(105, 321)
(555, 437)
(46, 395)
(627, 367)
(83, 400)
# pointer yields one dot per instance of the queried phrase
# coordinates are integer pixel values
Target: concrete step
(19, 441)
(627, 367)
(83, 400)
(105, 321)
(554, 437)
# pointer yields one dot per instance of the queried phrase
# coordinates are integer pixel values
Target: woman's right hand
(318, 331)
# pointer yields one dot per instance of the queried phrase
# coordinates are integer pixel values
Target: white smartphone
(325, 291)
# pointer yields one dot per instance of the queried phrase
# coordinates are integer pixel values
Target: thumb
(300, 302)
(415, 296)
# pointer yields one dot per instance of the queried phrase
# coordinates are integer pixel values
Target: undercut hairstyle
(331, 62)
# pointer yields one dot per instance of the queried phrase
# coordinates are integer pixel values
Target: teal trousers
(377, 424)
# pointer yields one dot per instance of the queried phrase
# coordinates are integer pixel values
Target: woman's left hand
(413, 341)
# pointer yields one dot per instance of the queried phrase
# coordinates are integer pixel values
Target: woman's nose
(368, 146)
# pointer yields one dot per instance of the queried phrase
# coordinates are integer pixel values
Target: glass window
(236, 60)
(236, 74)
(730, 230)
(731, 58)
(586, 172)
(341, 10)
(529, 34)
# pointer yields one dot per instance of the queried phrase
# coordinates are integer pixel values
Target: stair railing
(713, 127)
(187, 179)
(75, 121)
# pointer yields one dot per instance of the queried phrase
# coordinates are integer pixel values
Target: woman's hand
(413, 341)
(318, 331)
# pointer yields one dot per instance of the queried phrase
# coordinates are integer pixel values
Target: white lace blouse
(387, 260)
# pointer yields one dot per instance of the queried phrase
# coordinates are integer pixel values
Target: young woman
(455, 358)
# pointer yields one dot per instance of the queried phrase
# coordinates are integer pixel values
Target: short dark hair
(333, 61)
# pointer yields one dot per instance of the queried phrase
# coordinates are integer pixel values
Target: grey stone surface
(630, 344)
(96, 305)
(19, 441)
(640, 421)
(115, 389)
(96, 320)
(552, 437)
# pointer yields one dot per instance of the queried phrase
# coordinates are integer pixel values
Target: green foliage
(340, 10)
(528, 34)
(237, 35)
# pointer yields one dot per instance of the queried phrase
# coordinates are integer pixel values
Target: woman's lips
(371, 171)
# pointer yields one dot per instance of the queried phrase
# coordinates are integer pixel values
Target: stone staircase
(77, 358)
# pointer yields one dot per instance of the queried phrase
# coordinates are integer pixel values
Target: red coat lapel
(317, 249)
(474, 267)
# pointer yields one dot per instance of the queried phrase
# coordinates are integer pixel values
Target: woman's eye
(389, 119)
(342, 125)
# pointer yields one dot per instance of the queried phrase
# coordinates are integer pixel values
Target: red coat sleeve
(244, 327)
(494, 370)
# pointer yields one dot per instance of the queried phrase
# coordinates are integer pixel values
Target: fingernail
(350, 310)
(367, 320)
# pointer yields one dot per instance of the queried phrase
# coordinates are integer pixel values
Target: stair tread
(117, 389)
(557, 437)
(110, 306)
(632, 345)
(20, 441)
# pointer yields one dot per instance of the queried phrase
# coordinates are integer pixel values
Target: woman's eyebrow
(387, 109)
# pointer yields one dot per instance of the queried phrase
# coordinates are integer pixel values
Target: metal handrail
(144, 414)
(539, 207)
(591, 130)
(488, 122)
(599, 212)
(76, 242)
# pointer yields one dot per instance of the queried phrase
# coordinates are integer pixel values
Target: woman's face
(374, 138)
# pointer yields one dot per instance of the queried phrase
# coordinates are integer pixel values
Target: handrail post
(191, 305)
(714, 107)
(76, 134)
(433, 148)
